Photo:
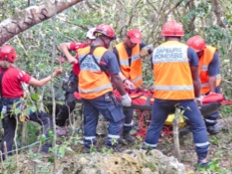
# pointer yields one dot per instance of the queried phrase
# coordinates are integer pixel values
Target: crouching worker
(12, 95)
(95, 88)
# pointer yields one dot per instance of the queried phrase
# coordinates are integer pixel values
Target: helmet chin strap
(105, 44)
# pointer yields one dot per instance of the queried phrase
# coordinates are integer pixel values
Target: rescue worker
(177, 84)
(129, 53)
(12, 94)
(71, 85)
(95, 88)
(209, 70)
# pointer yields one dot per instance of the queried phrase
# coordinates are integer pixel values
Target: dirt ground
(220, 150)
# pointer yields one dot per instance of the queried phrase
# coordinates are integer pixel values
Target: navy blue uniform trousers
(111, 110)
(9, 126)
(160, 111)
(211, 119)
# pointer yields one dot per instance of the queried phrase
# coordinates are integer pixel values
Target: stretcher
(142, 102)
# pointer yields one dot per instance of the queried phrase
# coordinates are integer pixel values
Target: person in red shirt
(71, 85)
(11, 79)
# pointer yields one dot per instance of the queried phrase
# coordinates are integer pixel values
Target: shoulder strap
(92, 48)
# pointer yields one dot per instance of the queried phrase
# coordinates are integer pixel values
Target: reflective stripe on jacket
(93, 82)
(204, 62)
(133, 71)
(172, 74)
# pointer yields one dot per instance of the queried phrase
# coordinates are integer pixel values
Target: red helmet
(106, 30)
(197, 43)
(7, 53)
(172, 28)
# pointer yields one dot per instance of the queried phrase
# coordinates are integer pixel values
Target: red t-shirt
(11, 82)
(74, 46)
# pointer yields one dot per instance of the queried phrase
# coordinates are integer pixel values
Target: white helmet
(89, 34)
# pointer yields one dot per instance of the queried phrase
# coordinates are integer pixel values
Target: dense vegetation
(38, 46)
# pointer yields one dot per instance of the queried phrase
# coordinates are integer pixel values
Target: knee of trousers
(213, 116)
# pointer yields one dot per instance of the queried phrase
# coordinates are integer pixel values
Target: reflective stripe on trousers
(89, 138)
(130, 124)
(113, 136)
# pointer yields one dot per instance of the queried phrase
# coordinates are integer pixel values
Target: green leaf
(50, 133)
(69, 149)
(35, 97)
(51, 159)
(61, 151)
(17, 111)
(33, 108)
(27, 111)
(42, 138)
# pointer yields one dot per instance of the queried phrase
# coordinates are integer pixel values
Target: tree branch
(31, 16)
(217, 12)
(177, 5)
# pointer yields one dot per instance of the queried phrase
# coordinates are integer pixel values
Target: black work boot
(114, 147)
(86, 150)
(202, 161)
(213, 130)
(128, 137)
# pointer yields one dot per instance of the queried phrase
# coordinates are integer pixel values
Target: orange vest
(172, 74)
(204, 62)
(132, 72)
(93, 82)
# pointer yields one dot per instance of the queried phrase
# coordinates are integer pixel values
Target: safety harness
(92, 48)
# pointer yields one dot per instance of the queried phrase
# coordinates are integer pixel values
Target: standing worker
(177, 83)
(209, 70)
(129, 53)
(12, 94)
(71, 85)
(95, 88)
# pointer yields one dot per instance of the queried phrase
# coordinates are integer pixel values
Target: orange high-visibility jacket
(132, 72)
(204, 62)
(93, 82)
(172, 74)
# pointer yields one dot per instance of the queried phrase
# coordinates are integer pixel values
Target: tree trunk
(24, 134)
(218, 15)
(176, 124)
(26, 18)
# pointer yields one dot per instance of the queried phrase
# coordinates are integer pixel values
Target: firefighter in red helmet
(209, 70)
(12, 94)
(95, 88)
(176, 84)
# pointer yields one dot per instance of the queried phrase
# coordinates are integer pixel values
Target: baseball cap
(135, 36)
